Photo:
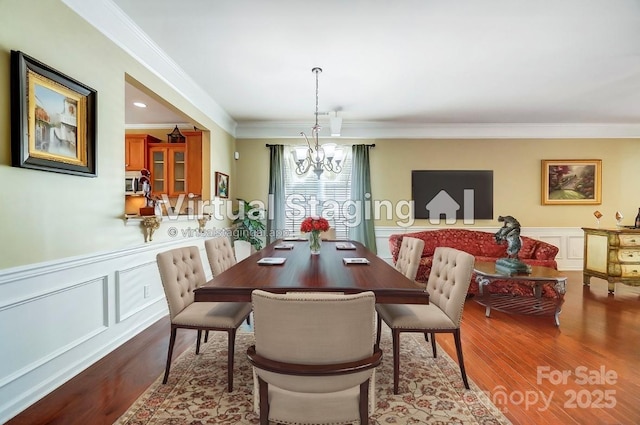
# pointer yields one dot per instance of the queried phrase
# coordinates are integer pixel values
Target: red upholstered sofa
(483, 247)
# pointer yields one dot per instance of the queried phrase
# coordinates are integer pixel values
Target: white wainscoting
(58, 318)
(569, 240)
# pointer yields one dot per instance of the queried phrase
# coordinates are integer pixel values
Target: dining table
(288, 266)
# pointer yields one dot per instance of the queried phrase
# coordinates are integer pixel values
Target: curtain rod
(371, 145)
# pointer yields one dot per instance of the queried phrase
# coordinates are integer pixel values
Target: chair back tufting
(220, 254)
(409, 257)
(181, 273)
(449, 281)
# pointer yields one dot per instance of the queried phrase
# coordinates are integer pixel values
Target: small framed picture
(222, 185)
(572, 182)
(53, 119)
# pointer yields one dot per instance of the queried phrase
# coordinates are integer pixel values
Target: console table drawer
(630, 270)
(629, 240)
(628, 255)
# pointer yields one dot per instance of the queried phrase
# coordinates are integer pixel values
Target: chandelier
(313, 156)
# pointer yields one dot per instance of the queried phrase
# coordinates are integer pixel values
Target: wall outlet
(147, 288)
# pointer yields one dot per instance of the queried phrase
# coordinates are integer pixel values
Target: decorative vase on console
(314, 226)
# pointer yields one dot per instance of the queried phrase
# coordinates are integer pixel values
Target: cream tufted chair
(447, 286)
(220, 254)
(409, 257)
(314, 357)
(329, 235)
(181, 272)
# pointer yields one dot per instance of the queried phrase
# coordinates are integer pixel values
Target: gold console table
(612, 255)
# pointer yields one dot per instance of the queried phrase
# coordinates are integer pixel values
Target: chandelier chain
(316, 157)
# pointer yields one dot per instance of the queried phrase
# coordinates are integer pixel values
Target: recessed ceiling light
(140, 104)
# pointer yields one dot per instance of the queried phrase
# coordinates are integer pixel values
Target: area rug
(431, 390)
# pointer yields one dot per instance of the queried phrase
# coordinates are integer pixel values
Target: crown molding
(111, 21)
(386, 130)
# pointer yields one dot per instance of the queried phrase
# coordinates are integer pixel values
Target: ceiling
(403, 64)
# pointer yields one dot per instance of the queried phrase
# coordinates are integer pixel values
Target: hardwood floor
(518, 360)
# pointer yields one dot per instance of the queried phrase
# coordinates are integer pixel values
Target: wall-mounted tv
(452, 195)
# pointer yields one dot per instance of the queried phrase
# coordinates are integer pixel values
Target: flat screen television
(443, 194)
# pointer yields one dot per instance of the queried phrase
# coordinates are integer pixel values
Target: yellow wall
(517, 174)
(47, 216)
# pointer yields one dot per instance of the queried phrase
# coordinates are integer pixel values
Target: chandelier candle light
(313, 226)
(316, 157)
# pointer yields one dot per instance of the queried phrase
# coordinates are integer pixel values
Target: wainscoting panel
(59, 317)
(137, 288)
(40, 332)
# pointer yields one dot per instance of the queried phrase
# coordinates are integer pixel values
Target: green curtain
(276, 201)
(364, 230)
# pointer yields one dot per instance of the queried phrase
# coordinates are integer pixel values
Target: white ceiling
(404, 63)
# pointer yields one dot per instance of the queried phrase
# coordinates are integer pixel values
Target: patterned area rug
(431, 390)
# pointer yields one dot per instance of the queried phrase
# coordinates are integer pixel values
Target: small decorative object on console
(637, 221)
(598, 215)
(619, 218)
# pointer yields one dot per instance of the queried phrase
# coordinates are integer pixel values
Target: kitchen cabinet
(168, 166)
(613, 255)
(176, 168)
(135, 151)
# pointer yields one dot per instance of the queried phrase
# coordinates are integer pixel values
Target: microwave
(132, 183)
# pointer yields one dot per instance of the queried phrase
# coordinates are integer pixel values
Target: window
(307, 195)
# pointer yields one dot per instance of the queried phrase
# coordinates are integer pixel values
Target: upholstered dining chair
(447, 287)
(220, 254)
(409, 257)
(329, 235)
(181, 272)
(314, 357)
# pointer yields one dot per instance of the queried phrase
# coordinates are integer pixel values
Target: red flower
(310, 224)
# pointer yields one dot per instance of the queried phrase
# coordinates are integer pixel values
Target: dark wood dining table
(302, 271)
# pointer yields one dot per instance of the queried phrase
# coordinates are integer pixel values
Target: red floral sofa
(483, 247)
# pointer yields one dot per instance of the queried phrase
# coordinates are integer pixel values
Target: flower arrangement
(314, 224)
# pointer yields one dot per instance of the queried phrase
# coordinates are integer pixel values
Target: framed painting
(572, 182)
(53, 119)
(222, 185)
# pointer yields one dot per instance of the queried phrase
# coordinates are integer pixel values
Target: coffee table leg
(482, 282)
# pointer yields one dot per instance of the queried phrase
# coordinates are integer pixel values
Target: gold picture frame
(572, 182)
(53, 119)
(222, 185)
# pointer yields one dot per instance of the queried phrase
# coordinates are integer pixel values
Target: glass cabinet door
(179, 178)
(158, 169)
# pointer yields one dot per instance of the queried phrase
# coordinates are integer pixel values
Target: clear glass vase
(315, 242)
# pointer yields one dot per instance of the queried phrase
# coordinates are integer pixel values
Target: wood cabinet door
(135, 154)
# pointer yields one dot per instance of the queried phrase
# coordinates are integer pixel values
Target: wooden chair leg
(456, 336)
(396, 359)
(198, 341)
(264, 401)
(231, 348)
(378, 331)
(206, 337)
(433, 345)
(172, 340)
(364, 403)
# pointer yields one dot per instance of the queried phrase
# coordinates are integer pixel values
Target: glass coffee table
(538, 305)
